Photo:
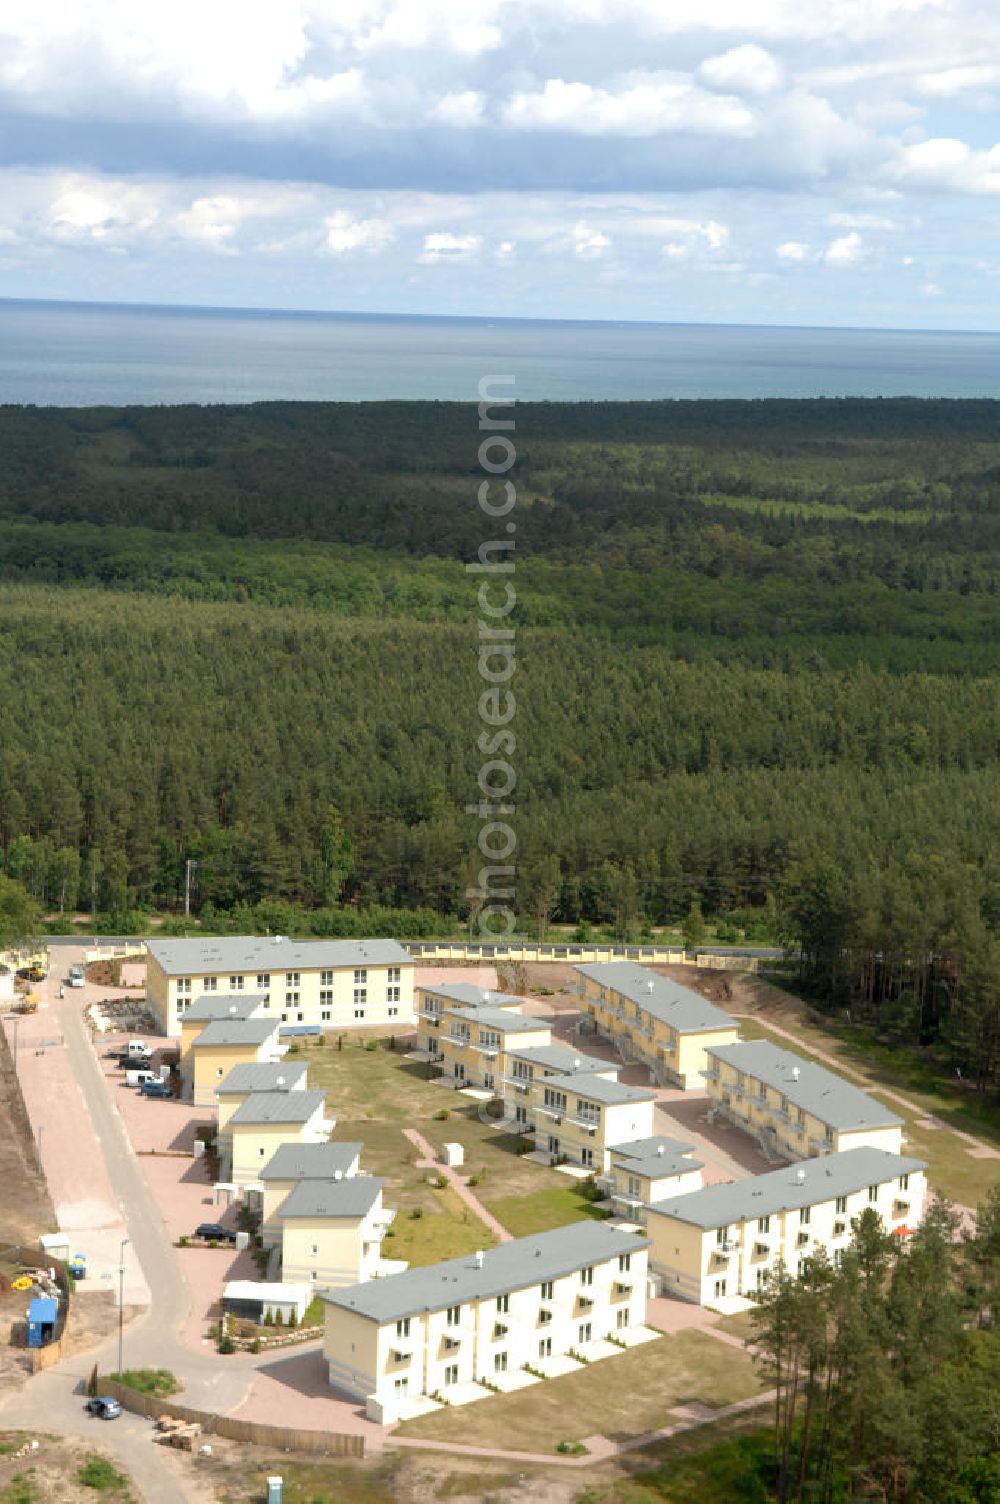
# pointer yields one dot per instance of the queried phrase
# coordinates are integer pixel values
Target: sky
(830, 162)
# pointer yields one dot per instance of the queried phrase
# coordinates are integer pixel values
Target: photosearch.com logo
(491, 901)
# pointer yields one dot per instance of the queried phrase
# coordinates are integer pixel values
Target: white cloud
(742, 70)
(444, 246)
(85, 209)
(930, 290)
(345, 234)
(588, 243)
(948, 82)
(462, 109)
(852, 220)
(506, 250)
(945, 164)
(644, 104)
(846, 250)
(792, 250)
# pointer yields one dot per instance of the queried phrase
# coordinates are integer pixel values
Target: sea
(99, 354)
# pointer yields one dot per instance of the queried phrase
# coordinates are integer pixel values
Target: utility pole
(38, 1151)
(121, 1300)
(189, 867)
(16, 1021)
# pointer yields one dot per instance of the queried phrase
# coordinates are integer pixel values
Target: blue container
(274, 1491)
(42, 1315)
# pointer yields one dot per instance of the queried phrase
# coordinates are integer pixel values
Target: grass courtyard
(620, 1397)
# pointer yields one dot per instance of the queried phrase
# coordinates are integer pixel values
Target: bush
(184, 1240)
(571, 1448)
(97, 1472)
(473, 1180)
(442, 1115)
(416, 1214)
(226, 1344)
(293, 1319)
(371, 1044)
(156, 1381)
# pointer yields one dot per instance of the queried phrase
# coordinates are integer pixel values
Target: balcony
(621, 1290)
(554, 1113)
(803, 1238)
(458, 1040)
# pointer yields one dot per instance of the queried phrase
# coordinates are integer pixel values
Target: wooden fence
(283, 1438)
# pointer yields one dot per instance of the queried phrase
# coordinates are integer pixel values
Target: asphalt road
(54, 1400)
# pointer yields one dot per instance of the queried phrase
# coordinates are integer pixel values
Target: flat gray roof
(281, 1076)
(655, 1157)
(682, 1008)
(819, 1091)
(354, 1196)
(264, 954)
(472, 996)
(645, 1148)
(510, 1266)
(599, 1088)
(560, 1059)
(312, 1161)
(211, 1006)
(278, 1107)
(807, 1183)
(496, 1018)
(229, 1031)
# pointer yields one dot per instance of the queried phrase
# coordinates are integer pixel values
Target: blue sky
(817, 162)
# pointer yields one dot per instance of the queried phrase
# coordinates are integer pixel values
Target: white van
(76, 977)
(136, 1049)
(136, 1078)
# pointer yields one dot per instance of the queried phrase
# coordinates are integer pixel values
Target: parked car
(214, 1232)
(137, 1049)
(154, 1087)
(76, 978)
(104, 1407)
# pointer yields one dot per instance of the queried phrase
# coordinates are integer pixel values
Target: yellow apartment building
(581, 1117)
(434, 1002)
(654, 1020)
(719, 1242)
(474, 1043)
(526, 1064)
(434, 1330)
(325, 984)
(222, 1046)
(210, 1008)
(332, 1231)
(649, 1170)
(293, 1164)
(793, 1107)
(243, 1081)
(268, 1119)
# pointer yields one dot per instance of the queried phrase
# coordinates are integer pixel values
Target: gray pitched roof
(807, 1183)
(599, 1089)
(510, 1266)
(472, 996)
(497, 1018)
(281, 1076)
(819, 1091)
(679, 1007)
(312, 1161)
(214, 1005)
(560, 1059)
(354, 1196)
(230, 1031)
(256, 953)
(278, 1107)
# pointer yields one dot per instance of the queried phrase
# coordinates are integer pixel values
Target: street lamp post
(121, 1300)
(15, 1021)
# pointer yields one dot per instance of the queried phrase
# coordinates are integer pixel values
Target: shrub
(571, 1448)
(226, 1344)
(97, 1472)
(293, 1319)
(156, 1381)
(279, 1319)
(416, 1213)
(184, 1240)
(442, 1115)
(473, 1180)
(371, 1044)
(255, 1345)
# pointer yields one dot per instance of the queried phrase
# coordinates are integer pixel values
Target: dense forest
(757, 648)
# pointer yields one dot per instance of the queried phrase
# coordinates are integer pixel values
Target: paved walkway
(428, 1162)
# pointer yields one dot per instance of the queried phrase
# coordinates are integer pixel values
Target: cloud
(461, 109)
(948, 82)
(104, 213)
(846, 250)
(944, 164)
(344, 234)
(444, 246)
(649, 104)
(792, 250)
(742, 70)
(587, 242)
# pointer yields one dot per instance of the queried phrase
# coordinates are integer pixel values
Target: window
(299, 1016)
(503, 1303)
(392, 1012)
(236, 984)
(360, 996)
(635, 1187)
(805, 1216)
(545, 1347)
(326, 998)
(587, 1158)
(763, 1224)
(359, 1013)
(211, 984)
(489, 1080)
(624, 1262)
(873, 1193)
(585, 1331)
(547, 1290)
(260, 1152)
(784, 1104)
(904, 1182)
(326, 979)
(403, 1327)
(284, 1018)
(587, 1275)
(291, 999)
(314, 1249)
(520, 1115)
(621, 1320)
(720, 1288)
(325, 1016)
(838, 1257)
(489, 1039)
(451, 1374)
(263, 981)
(761, 1278)
(183, 984)
(499, 1362)
(292, 979)
(392, 994)
(401, 1386)
(555, 1099)
(721, 1236)
(588, 1112)
(393, 974)
(360, 976)
(840, 1206)
(553, 1144)
(454, 1315)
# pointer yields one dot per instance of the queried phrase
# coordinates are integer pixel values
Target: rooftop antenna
(479, 1257)
(800, 1176)
(650, 986)
(795, 1073)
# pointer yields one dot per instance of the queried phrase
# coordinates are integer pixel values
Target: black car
(214, 1232)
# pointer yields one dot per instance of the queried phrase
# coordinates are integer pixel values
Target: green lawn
(553, 1206)
(619, 1397)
